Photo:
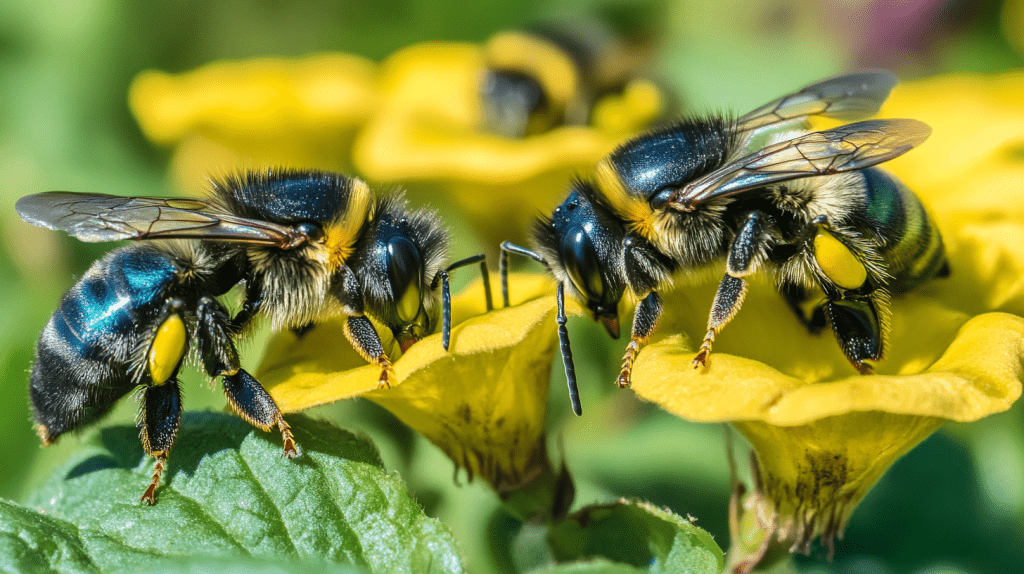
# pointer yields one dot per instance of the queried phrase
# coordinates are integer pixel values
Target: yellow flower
(822, 434)
(482, 402)
(429, 129)
(266, 111)
(417, 118)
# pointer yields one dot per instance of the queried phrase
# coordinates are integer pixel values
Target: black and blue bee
(807, 206)
(306, 245)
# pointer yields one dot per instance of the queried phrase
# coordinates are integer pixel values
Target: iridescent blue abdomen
(85, 351)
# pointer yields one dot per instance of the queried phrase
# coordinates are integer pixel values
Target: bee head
(394, 262)
(582, 243)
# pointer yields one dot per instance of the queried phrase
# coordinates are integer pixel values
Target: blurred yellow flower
(483, 402)
(823, 435)
(429, 128)
(418, 117)
(266, 111)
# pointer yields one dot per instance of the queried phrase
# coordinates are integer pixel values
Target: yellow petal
(428, 129)
(267, 111)
(483, 402)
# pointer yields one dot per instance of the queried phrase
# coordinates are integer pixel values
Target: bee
(809, 207)
(306, 245)
(540, 78)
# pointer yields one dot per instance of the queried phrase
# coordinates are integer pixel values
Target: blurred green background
(954, 504)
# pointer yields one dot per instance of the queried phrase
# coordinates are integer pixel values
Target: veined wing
(95, 217)
(848, 97)
(845, 148)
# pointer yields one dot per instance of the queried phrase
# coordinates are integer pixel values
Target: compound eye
(405, 274)
(313, 231)
(582, 263)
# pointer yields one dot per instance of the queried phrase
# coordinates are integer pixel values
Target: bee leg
(796, 296)
(507, 248)
(446, 296)
(857, 328)
(362, 335)
(358, 329)
(214, 336)
(645, 319)
(747, 248)
(158, 424)
(254, 404)
(251, 306)
(220, 358)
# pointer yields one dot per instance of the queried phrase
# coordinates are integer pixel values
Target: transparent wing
(845, 148)
(97, 217)
(848, 97)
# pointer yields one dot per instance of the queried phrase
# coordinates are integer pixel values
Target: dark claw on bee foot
(701, 360)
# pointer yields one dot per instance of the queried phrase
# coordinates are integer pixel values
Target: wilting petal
(483, 402)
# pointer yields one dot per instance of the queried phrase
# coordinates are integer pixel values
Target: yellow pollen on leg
(167, 349)
(837, 261)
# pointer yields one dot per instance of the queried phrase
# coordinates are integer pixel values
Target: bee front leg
(158, 424)
(245, 394)
(746, 252)
(358, 329)
(645, 319)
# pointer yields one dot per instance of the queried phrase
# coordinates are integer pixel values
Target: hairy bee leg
(563, 341)
(858, 330)
(744, 253)
(250, 307)
(220, 358)
(728, 300)
(254, 404)
(215, 338)
(446, 296)
(159, 420)
(362, 335)
(645, 319)
(358, 329)
(507, 248)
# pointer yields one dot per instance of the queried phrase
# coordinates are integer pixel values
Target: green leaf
(597, 566)
(228, 493)
(637, 534)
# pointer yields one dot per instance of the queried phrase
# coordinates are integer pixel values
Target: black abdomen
(84, 359)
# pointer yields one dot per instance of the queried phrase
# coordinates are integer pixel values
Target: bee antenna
(563, 340)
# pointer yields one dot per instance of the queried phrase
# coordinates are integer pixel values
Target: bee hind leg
(245, 394)
(858, 330)
(159, 419)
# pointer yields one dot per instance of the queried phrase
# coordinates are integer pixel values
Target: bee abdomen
(908, 241)
(85, 353)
